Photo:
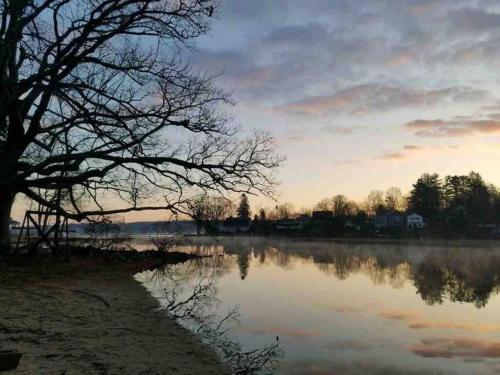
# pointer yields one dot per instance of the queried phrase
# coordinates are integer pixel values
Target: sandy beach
(93, 319)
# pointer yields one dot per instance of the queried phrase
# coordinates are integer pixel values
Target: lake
(314, 307)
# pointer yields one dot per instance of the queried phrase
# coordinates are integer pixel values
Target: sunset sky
(363, 94)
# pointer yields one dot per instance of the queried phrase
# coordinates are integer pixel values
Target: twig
(91, 295)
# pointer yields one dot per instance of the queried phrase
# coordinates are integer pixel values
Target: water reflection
(350, 308)
(188, 292)
(459, 274)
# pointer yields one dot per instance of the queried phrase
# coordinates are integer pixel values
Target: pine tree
(426, 196)
(244, 208)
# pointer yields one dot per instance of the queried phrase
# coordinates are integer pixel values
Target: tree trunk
(6, 202)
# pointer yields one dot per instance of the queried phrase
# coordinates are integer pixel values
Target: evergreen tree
(425, 197)
(478, 198)
(468, 197)
(244, 208)
(262, 214)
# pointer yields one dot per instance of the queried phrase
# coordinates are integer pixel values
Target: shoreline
(93, 319)
(445, 242)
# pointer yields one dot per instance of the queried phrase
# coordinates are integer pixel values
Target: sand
(84, 321)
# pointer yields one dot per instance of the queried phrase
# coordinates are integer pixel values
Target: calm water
(342, 308)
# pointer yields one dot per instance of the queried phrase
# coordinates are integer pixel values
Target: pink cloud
(416, 321)
(367, 98)
(456, 348)
(453, 128)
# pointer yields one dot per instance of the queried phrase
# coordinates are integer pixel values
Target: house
(415, 221)
(388, 220)
(349, 225)
(322, 215)
(234, 226)
(14, 226)
(484, 226)
(288, 225)
(303, 218)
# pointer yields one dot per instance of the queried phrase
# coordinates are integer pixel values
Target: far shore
(465, 242)
(89, 317)
(423, 241)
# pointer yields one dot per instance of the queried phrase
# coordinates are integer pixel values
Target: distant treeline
(462, 205)
(456, 198)
(454, 203)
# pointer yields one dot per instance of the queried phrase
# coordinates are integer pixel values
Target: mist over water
(353, 307)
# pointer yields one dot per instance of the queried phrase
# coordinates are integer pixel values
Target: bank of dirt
(85, 318)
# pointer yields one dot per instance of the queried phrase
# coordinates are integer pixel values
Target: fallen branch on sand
(78, 291)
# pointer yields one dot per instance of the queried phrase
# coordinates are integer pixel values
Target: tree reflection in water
(469, 273)
(188, 292)
(435, 282)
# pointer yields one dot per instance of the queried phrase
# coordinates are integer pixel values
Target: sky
(362, 94)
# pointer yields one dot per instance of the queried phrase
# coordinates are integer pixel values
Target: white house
(415, 221)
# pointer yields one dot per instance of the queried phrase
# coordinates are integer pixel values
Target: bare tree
(374, 201)
(164, 244)
(283, 211)
(394, 199)
(96, 99)
(324, 205)
(305, 211)
(197, 210)
(103, 234)
(340, 205)
(209, 210)
(219, 208)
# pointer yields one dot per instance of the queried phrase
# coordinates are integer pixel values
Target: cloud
(453, 128)
(298, 139)
(495, 107)
(273, 55)
(348, 309)
(473, 20)
(296, 35)
(348, 345)
(284, 331)
(354, 366)
(368, 98)
(343, 163)
(412, 147)
(463, 348)
(470, 327)
(392, 156)
(421, 9)
(339, 130)
(415, 321)
(401, 58)
(238, 71)
(407, 152)
(307, 61)
(411, 150)
(399, 315)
